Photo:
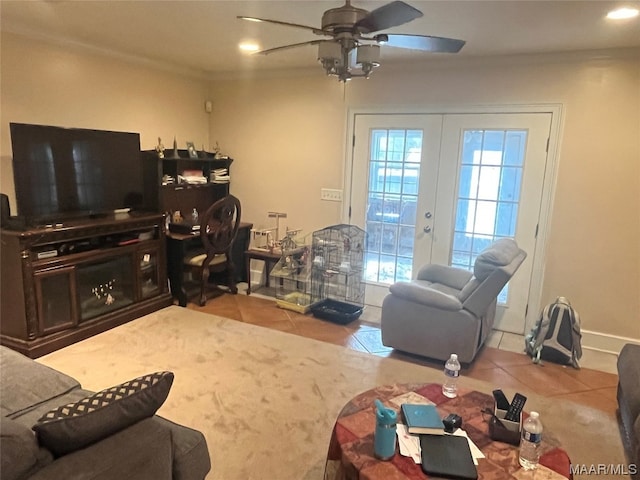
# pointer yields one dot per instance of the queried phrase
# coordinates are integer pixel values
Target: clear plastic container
(529, 455)
(451, 374)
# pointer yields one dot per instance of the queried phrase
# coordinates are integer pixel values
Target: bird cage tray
(297, 301)
(335, 311)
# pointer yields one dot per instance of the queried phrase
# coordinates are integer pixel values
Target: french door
(431, 188)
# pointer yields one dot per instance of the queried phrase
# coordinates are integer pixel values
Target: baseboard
(603, 342)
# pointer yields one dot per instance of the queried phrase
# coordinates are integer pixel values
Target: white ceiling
(204, 35)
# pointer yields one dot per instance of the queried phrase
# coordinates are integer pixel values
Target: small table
(269, 258)
(350, 454)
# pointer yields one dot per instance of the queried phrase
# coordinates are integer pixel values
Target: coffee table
(350, 454)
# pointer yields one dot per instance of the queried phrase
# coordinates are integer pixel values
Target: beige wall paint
(287, 136)
(50, 85)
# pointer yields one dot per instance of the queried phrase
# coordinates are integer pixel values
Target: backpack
(556, 336)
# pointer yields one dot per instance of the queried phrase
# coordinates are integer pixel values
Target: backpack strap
(535, 344)
(576, 351)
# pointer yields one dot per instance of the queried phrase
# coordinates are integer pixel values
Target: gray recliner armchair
(449, 310)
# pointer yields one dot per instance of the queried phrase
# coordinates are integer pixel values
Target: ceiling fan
(353, 28)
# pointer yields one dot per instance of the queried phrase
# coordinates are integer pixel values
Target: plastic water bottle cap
(534, 415)
(454, 356)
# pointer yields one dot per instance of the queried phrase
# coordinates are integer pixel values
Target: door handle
(427, 229)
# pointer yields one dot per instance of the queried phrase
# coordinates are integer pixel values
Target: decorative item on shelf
(216, 151)
(160, 148)
(175, 148)
(191, 149)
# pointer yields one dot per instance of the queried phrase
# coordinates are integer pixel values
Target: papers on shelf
(220, 175)
(410, 444)
(191, 179)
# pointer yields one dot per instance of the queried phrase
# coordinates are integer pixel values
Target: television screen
(64, 172)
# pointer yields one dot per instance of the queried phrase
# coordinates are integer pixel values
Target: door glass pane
(488, 193)
(394, 170)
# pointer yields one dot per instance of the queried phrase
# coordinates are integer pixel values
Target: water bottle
(530, 442)
(384, 439)
(194, 216)
(451, 374)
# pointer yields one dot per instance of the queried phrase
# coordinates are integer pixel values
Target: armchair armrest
(142, 451)
(422, 293)
(450, 276)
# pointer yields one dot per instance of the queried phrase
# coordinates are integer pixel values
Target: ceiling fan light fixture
(330, 56)
(350, 27)
(368, 54)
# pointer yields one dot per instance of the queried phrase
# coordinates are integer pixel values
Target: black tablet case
(447, 456)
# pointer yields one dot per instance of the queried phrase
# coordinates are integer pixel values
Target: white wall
(287, 136)
(49, 85)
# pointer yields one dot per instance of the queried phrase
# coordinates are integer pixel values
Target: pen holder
(508, 432)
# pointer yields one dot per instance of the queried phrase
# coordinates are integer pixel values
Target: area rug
(267, 401)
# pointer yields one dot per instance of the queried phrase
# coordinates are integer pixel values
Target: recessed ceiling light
(622, 13)
(249, 47)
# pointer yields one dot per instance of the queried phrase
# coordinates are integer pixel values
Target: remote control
(501, 400)
(513, 414)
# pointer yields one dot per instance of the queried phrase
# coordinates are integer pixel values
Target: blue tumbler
(384, 439)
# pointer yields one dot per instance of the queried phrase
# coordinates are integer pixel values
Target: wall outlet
(331, 194)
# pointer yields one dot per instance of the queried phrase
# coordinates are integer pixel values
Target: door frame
(548, 188)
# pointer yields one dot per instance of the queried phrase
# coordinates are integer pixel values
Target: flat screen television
(62, 173)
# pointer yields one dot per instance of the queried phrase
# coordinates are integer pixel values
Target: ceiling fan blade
(425, 43)
(389, 15)
(317, 31)
(286, 47)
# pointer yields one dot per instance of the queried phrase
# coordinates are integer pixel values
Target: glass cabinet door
(148, 273)
(55, 298)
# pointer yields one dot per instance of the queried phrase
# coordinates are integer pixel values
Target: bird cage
(337, 273)
(291, 275)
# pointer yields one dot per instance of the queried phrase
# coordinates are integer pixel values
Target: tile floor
(501, 362)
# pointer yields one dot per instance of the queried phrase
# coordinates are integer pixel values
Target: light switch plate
(331, 194)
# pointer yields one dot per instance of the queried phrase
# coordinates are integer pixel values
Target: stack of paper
(220, 175)
(191, 179)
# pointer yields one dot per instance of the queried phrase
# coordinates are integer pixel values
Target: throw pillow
(77, 425)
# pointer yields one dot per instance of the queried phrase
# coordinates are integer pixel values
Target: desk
(351, 456)
(269, 259)
(178, 244)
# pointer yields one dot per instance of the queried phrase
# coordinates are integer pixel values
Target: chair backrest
(493, 268)
(219, 225)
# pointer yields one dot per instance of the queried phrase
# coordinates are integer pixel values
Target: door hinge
(353, 141)
(548, 138)
(526, 310)
(536, 235)
(349, 211)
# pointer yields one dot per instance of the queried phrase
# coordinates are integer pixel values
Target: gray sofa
(629, 403)
(118, 440)
(449, 310)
